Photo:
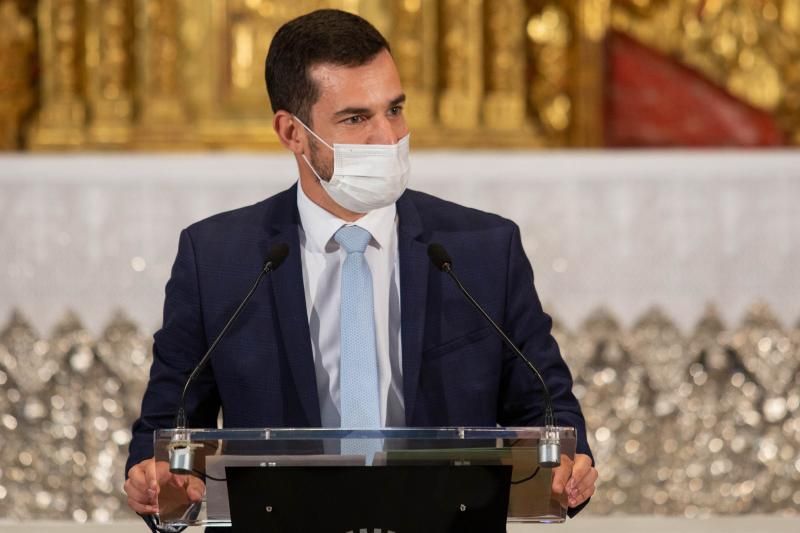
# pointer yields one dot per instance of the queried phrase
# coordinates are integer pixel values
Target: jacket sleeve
(521, 401)
(179, 345)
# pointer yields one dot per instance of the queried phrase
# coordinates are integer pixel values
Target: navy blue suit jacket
(455, 368)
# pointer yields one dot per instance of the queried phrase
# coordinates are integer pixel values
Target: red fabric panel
(652, 100)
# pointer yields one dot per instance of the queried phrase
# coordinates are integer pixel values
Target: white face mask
(365, 176)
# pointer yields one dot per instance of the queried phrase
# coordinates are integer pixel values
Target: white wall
(626, 230)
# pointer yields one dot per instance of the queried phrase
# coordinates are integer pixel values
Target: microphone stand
(549, 443)
(181, 450)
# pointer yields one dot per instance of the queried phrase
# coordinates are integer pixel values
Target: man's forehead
(373, 83)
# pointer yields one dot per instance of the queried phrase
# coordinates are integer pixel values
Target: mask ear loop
(304, 155)
(309, 130)
(311, 167)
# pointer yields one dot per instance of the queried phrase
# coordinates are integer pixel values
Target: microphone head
(277, 253)
(439, 257)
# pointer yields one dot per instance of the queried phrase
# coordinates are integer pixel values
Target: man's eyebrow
(366, 111)
(352, 111)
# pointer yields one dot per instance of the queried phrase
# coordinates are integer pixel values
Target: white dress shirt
(322, 260)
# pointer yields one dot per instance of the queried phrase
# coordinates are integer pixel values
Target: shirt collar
(320, 225)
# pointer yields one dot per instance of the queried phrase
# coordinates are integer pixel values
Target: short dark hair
(322, 36)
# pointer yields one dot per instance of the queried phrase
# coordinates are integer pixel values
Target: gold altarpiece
(188, 74)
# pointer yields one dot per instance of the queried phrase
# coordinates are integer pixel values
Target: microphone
(181, 450)
(549, 443)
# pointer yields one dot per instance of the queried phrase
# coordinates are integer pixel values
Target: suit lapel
(414, 270)
(290, 306)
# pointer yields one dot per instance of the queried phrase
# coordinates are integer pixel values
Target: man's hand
(146, 478)
(575, 479)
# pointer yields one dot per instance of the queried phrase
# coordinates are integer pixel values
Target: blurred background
(645, 147)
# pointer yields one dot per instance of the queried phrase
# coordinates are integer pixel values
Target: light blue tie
(358, 375)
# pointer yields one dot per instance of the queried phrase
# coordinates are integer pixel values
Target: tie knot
(352, 238)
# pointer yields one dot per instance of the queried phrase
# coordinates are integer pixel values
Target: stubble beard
(322, 167)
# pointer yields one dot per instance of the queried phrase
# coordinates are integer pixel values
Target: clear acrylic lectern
(286, 480)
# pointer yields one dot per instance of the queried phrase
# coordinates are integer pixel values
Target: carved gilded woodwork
(413, 38)
(750, 48)
(462, 64)
(586, 67)
(61, 119)
(549, 38)
(163, 118)
(17, 52)
(109, 66)
(178, 74)
(226, 81)
(504, 107)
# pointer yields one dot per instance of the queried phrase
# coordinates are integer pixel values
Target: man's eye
(355, 119)
(396, 110)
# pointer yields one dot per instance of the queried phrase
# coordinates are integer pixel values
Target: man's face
(356, 105)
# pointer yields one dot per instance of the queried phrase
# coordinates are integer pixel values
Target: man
(299, 355)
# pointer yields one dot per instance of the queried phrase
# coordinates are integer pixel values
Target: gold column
(414, 34)
(789, 114)
(230, 97)
(504, 106)
(17, 47)
(550, 38)
(162, 115)
(62, 115)
(109, 68)
(201, 63)
(462, 68)
(592, 19)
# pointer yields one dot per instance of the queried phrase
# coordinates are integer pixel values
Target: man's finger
(582, 466)
(137, 477)
(138, 481)
(163, 474)
(195, 489)
(138, 494)
(150, 473)
(142, 508)
(586, 481)
(582, 496)
(561, 474)
(582, 484)
(177, 481)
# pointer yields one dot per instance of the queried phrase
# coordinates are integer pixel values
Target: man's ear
(288, 131)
